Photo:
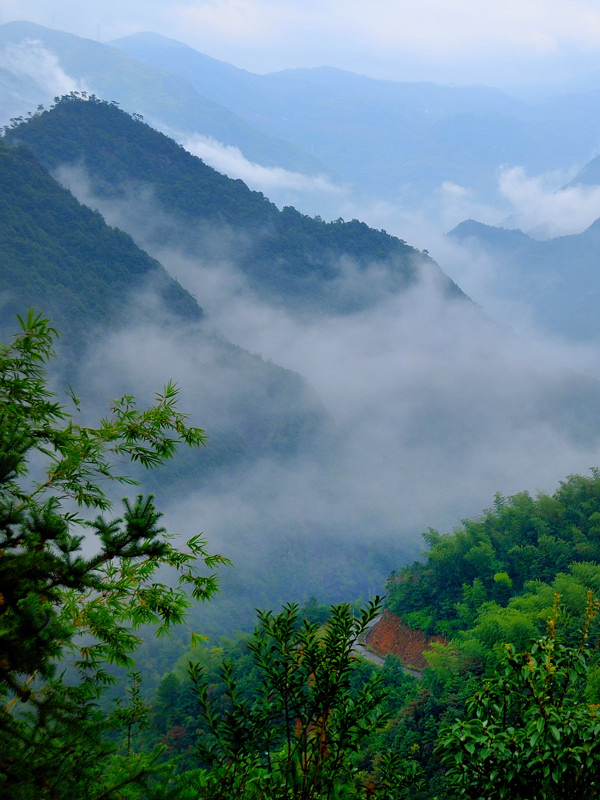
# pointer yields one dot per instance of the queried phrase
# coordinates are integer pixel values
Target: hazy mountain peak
(149, 37)
(137, 44)
(13, 31)
(588, 175)
(470, 228)
(594, 228)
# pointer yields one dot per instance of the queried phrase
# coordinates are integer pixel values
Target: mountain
(396, 137)
(400, 403)
(588, 175)
(93, 280)
(554, 281)
(174, 199)
(40, 63)
(47, 237)
(128, 326)
(399, 139)
(370, 138)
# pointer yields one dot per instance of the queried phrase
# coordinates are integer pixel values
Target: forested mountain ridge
(60, 255)
(93, 280)
(124, 320)
(286, 256)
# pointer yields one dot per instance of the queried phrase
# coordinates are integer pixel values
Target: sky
(463, 41)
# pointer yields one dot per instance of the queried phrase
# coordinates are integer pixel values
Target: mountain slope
(60, 255)
(588, 175)
(424, 406)
(128, 327)
(92, 280)
(174, 198)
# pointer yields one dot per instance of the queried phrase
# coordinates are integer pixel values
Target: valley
(377, 299)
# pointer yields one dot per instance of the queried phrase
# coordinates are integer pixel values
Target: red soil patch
(391, 635)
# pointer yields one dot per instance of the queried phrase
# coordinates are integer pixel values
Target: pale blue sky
(499, 43)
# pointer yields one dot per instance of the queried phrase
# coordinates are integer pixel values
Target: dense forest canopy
(520, 543)
(46, 236)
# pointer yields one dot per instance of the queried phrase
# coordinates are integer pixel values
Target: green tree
(299, 736)
(65, 617)
(529, 732)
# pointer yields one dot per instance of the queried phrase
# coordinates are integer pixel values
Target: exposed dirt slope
(391, 635)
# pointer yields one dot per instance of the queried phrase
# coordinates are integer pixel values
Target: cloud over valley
(427, 408)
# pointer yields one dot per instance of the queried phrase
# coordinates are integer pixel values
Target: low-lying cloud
(282, 186)
(434, 407)
(544, 206)
(431, 409)
(30, 59)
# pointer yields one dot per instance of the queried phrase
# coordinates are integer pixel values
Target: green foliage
(497, 555)
(55, 251)
(528, 733)
(523, 619)
(299, 734)
(488, 586)
(66, 616)
(395, 777)
(131, 717)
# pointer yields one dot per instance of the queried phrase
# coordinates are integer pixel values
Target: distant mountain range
(168, 100)
(556, 281)
(394, 135)
(372, 138)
